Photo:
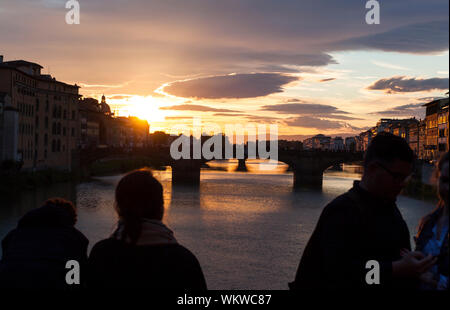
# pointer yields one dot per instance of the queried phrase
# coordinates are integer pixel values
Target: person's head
(388, 162)
(55, 212)
(138, 196)
(442, 174)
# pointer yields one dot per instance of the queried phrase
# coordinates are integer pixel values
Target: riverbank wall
(13, 181)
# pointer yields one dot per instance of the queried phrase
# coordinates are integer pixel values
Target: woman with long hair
(142, 251)
(433, 234)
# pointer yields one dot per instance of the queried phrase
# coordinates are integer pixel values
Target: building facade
(365, 139)
(443, 127)
(318, 142)
(9, 120)
(100, 128)
(350, 144)
(337, 144)
(46, 131)
(436, 128)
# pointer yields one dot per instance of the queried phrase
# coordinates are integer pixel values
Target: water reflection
(12, 208)
(240, 225)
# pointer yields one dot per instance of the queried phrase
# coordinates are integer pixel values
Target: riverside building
(39, 118)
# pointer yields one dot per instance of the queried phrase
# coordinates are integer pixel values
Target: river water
(247, 229)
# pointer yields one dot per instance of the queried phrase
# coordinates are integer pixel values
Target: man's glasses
(398, 177)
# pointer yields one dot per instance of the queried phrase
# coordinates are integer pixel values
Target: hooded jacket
(36, 252)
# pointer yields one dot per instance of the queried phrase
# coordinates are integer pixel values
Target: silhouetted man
(365, 224)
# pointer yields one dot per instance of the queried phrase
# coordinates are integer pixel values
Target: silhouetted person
(365, 224)
(433, 234)
(142, 252)
(36, 252)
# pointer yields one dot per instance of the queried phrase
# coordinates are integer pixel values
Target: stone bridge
(307, 166)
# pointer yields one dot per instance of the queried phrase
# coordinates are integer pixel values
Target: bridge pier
(308, 167)
(308, 179)
(241, 165)
(186, 172)
(337, 167)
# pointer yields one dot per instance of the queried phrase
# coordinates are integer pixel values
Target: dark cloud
(402, 84)
(319, 59)
(341, 117)
(263, 119)
(293, 100)
(408, 110)
(414, 38)
(195, 107)
(312, 115)
(314, 122)
(327, 80)
(152, 39)
(230, 86)
(255, 118)
(302, 108)
(307, 112)
(278, 69)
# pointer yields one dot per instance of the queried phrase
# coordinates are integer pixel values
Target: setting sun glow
(144, 107)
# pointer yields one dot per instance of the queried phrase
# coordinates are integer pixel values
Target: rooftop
(441, 101)
(19, 63)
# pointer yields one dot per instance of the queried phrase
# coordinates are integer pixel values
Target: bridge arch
(307, 166)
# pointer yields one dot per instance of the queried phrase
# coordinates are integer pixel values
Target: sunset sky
(310, 66)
